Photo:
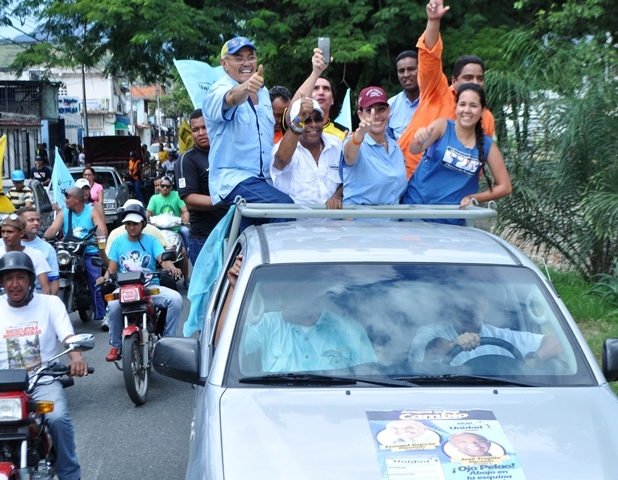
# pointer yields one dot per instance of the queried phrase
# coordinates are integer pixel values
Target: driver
(122, 258)
(466, 328)
(304, 335)
(27, 319)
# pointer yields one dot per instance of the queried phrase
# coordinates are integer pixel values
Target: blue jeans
(61, 430)
(92, 273)
(195, 247)
(255, 190)
(167, 298)
(184, 233)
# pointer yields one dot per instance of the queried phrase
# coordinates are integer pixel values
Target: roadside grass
(596, 318)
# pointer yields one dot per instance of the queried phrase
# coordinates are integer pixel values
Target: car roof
(350, 241)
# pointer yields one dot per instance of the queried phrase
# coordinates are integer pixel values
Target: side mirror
(46, 208)
(168, 256)
(97, 262)
(80, 343)
(178, 358)
(610, 359)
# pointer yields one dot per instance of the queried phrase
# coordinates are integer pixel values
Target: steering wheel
(498, 342)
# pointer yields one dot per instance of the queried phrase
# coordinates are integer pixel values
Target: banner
(5, 204)
(345, 115)
(61, 179)
(185, 140)
(197, 78)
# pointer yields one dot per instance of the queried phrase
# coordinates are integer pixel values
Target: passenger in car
(466, 328)
(304, 335)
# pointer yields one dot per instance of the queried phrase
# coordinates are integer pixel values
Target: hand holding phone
(324, 45)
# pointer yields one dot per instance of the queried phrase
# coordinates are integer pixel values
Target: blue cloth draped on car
(205, 272)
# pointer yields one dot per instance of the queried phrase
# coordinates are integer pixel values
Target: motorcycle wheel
(85, 314)
(136, 378)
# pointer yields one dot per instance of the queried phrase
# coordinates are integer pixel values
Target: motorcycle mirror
(80, 343)
(46, 208)
(97, 262)
(168, 256)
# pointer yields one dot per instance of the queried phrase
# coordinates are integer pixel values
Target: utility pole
(84, 92)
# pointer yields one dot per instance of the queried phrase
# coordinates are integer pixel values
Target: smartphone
(324, 45)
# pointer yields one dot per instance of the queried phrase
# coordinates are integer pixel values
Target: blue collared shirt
(333, 342)
(402, 111)
(241, 138)
(377, 177)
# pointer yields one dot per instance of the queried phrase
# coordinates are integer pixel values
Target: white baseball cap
(133, 217)
(82, 182)
(295, 108)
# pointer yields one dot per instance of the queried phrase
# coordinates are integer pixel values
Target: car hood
(300, 433)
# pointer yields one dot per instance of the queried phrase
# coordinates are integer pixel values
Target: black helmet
(134, 209)
(17, 261)
(133, 154)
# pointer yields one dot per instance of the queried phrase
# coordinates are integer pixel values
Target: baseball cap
(235, 44)
(133, 217)
(370, 96)
(38, 158)
(13, 220)
(81, 183)
(295, 108)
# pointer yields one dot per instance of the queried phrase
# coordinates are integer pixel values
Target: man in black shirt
(41, 173)
(191, 173)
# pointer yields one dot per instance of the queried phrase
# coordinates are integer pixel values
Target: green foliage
(556, 116)
(606, 286)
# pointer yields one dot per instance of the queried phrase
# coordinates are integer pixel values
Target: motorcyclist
(27, 317)
(135, 252)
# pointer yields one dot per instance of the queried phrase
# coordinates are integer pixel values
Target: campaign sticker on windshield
(442, 445)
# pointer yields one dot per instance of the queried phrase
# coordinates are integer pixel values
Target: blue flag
(197, 78)
(205, 273)
(61, 180)
(345, 115)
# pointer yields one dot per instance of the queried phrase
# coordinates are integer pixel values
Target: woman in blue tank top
(456, 152)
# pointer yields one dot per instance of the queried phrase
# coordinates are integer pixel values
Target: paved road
(117, 440)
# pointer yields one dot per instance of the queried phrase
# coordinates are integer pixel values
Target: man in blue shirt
(241, 125)
(404, 104)
(137, 252)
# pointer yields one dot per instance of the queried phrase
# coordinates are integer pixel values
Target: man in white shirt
(305, 163)
(13, 229)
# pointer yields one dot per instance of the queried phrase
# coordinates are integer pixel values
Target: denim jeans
(61, 430)
(92, 273)
(167, 298)
(184, 233)
(195, 247)
(255, 190)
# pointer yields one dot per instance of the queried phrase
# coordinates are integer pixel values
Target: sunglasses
(165, 186)
(316, 119)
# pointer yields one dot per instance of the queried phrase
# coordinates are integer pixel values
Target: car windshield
(104, 178)
(405, 322)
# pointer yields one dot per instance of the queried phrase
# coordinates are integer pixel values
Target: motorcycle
(166, 222)
(143, 326)
(26, 449)
(73, 281)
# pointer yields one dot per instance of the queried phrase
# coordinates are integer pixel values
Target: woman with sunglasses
(373, 166)
(96, 189)
(305, 163)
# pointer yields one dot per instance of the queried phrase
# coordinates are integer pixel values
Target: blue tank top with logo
(81, 225)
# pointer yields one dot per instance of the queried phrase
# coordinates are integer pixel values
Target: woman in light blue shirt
(373, 166)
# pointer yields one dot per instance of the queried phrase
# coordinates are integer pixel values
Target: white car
(391, 350)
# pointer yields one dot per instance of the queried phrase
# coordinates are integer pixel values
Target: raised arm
(435, 11)
(240, 93)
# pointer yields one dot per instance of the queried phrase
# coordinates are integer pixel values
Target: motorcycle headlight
(10, 409)
(64, 258)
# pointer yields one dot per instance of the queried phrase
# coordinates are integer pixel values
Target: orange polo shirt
(437, 100)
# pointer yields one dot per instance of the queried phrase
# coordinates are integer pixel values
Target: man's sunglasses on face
(164, 185)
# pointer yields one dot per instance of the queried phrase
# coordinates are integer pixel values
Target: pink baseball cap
(370, 96)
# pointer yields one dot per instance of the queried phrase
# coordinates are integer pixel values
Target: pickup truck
(111, 151)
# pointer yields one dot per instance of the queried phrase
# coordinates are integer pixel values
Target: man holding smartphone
(240, 123)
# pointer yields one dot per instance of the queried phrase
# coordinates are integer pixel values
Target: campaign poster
(442, 445)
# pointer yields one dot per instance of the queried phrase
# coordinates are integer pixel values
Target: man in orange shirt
(437, 99)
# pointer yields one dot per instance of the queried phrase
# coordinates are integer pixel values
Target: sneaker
(113, 355)
(105, 324)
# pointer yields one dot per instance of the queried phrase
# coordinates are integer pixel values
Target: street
(117, 440)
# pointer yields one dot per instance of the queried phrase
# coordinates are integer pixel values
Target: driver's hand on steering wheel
(468, 341)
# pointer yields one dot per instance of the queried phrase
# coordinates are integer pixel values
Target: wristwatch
(295, 128)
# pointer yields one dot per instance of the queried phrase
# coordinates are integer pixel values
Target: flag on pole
(197, 78)
(5, 204)
(61, 179)
(345, 115)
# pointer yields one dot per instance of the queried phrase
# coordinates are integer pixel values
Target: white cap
(295, 108)
(82, 182)
(133, 217)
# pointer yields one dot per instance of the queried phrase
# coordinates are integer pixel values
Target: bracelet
(298, 121)
(354, 140)
(297, 129)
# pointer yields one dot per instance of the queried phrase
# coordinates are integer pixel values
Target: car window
(402, 320)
